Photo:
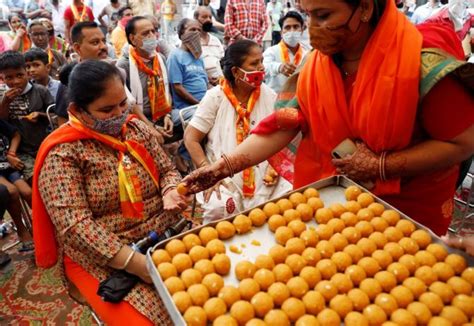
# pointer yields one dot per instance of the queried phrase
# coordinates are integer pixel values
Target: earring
(365, 19)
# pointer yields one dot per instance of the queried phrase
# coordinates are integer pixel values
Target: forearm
(195, 150)
(184, 94)
(4, 107)
(15, 142)
(15, 46)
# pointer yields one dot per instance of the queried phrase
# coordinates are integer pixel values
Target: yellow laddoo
(394, 249)
(195, 316)
(225, 320)
(409, 245)
(365, 228)
(271, 209)
(383, 258)
(294, 308)
(465, 303)
(278, 253)
(315, 203)
(399, 270)
(327, 268)
(341, 304)
(426, 274)
(415, 285)
(349, 218)
(221, 264)
(460, 286)
(307, 320)
(365, 199)
(276, 317)
(377, 208)
(244, 269)
(379, 239)
(365, 214)
(356, 274)
(283, 234)
(352, 192)
(325, 248)
(425, 258)
(420, 311)
(264, 278)
(310, 238)
(454, 315)
(468, 275)
(310, 192)
(175, 247)
(225, 230)
(311, 255)
(284, 204)
(324, 231)
(342, 260)
(275, 221)
(355, 319)
(386, 279)
(393, 234)
(296, 263)
(314, 302)
(457, 262)
(327, 290)
(342, 282)
(403, 317)
(422, 237)
(438, 251)
(379, 224)
(297, 286)
(439, 321)
(311, 275)
(387, 302)
(337, 209)
(242, 311)
(262, 303)
(206, 234)
(264, 261)
(353, 207)
(248, 288)
(167, 270)
(205, 267)
(199, 294)
(215, 307)
(242, 224)
(367, 246)
(443, 271)
(371, 287)
(432, 301)
(230, 294)
(306, 212)
(375, 314)
(191, 276)
(407, 227)
(257, 216)
(391, 216)
(213, 282)
(329, 317)
(359, 299)
(191, 240)
(198, 253)
(323, 215)
(182, 301)
(182, 262)
(445, 291)
(352, 234)
(337, 225)
(354, 251)
(338, 241)
(297, 198)
(370, 266)
(409, 261)
(215, 247)
(282, 273)
(160, 256)
(279, 292)
(295, 246)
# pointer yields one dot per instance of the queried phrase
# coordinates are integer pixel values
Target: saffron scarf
(50, 56)
(156, 85)
(285, 54)
(243, 129)
(129, 184)
(25, 43)
(79, 18)
(383, 106)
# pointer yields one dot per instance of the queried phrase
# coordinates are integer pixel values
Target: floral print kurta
(79, 186)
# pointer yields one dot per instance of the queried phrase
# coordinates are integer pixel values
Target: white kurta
(216, 117)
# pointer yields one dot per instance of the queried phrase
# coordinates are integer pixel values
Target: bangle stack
(229, 165)
(128, 260)
(382, 172)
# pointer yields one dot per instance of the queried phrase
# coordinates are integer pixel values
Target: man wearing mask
(186, 69)
(282, 60)
(146, 74)
(212, 49)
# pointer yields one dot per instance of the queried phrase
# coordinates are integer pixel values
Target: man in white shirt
(212, 49)
(58, 8)
(282, 60)
(425, 11)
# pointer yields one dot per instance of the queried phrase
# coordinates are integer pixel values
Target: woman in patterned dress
(84, 215)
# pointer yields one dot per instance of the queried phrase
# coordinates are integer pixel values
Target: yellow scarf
(75, 12)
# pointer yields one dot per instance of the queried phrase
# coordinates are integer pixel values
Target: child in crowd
(11, 178)
(24, 105)
(39, 68)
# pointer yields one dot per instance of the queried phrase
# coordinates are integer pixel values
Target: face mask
(253, 78)
(112, 126)
(292, 39)
(207, 26)
(331, 40)
(149, 45)
(192, 41)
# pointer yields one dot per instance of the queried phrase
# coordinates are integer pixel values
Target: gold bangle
(129, 259)
(382, 159)
(229, 165)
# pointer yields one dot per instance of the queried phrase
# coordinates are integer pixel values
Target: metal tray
(331, 190)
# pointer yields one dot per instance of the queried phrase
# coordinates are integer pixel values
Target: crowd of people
(105, 107)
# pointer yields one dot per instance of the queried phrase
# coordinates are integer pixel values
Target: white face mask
(149, 45)
(292, 39)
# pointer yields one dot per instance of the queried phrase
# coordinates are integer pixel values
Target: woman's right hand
(216, 189)
(20, 32)
(205, 177)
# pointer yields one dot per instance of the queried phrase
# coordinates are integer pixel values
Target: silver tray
(331, 190)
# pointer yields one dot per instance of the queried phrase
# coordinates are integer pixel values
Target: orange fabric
(79, 18)
(156, 86)
(383, 105)
(50, 56)
(243, 128)
(121, 313)
(285, 54)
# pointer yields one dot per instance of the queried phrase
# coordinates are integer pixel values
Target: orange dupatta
(129, 184)
(285, 54)
(383, 106)
(243, 129)
(156, 86)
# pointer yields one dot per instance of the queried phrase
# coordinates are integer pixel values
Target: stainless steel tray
(331, 190)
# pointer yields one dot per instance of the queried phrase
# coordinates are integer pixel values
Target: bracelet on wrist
(129, 259)
(228, 164)
(167, 189)
(382, 172)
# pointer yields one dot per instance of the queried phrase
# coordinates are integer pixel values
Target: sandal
(27, 246)
(4, 258)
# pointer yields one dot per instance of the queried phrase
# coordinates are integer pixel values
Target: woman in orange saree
(372, 79)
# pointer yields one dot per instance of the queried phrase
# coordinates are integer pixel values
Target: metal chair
(52, 117)
(182, 113)
(467, 205)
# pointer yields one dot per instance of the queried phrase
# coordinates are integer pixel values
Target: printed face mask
(192, 41)
(253, 78)
(111, 126)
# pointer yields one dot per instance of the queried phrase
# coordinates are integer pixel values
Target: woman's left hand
(174, 202)
(363, 165)
(271, 177)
